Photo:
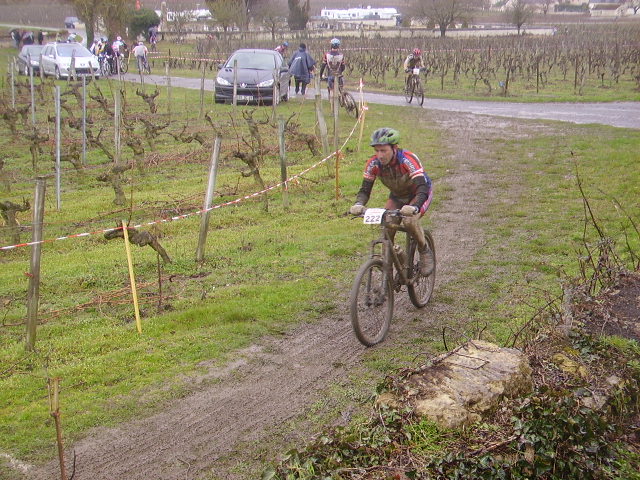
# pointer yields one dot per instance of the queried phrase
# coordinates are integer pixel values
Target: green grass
(265, 271)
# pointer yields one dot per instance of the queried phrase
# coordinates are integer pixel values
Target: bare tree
(298, 14)
(519, 13)
(635, 4)
(234, 12)
(270, 14)
(115, 14)
(228, 13)
(88, 12)
(442, 12)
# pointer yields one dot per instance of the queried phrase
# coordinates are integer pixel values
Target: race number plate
(373, 216)
(416, 71)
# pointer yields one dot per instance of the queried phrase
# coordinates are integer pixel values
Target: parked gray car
(56, 60)
(255, 77)
(29, 52)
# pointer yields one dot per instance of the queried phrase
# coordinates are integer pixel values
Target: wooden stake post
(54, 410)
(132, 276)
(283, 163)
(33, 295)
(204, 218)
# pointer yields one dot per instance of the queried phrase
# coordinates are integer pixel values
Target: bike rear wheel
(124, 65)
(371, 303)
(350, 104)
(408, 90)
(422, 288)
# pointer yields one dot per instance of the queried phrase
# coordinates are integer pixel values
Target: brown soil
(235, 419)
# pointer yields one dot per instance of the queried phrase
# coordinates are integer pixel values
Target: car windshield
(32, 50)
(255, 61)
(67, 51)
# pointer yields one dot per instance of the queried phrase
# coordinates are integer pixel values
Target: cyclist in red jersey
(409, 188)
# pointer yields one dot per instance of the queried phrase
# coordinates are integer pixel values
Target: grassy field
(265, 270)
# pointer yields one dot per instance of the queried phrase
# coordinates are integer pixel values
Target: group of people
(107, 51)
(302, 65)
(26, 37)
(400, 170)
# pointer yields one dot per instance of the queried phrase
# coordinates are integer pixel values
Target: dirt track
(206, 434)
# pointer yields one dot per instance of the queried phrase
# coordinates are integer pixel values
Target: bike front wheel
(371, 303)
(419, 93)
(422, 287)
(408, 90)
(350, 104)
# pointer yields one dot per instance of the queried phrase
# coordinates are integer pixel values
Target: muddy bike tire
(350, 104)
(409, 89)
(371, 303)
(420, 292)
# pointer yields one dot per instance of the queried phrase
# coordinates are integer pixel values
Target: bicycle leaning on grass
(413, 87)
(387, 269)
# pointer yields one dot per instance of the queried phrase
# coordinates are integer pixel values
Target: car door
(46, 59)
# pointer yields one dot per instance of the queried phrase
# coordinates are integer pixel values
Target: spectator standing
(16, 37)
(301, 66)
(40, 37)
(282, 48)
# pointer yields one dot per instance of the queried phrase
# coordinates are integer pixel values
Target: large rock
(458, 388)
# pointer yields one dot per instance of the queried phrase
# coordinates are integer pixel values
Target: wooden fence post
(201, 114)
(168, 86)
(211, 185)
(33, 295)
(235, 82)
(116, 126)
(132, 276)
(33, 93)
(283, 163)
(322, 124)
(58, 143)
(336, 138)
(53, 385)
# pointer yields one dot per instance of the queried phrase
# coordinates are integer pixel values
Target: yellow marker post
(363, 111)
(132, 276)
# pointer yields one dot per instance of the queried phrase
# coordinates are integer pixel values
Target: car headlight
(222, 81)
(266, 83)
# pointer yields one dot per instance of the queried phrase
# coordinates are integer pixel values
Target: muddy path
(233, 413)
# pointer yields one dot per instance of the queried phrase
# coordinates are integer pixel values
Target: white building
(355, 14)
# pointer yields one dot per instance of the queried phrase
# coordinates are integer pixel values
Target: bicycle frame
(388, 252)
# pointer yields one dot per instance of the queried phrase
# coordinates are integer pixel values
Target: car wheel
(58, 76)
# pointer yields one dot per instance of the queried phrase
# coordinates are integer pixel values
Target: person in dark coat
(40, 37)
(301, 66)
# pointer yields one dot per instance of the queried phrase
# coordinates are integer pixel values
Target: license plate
(246, 98)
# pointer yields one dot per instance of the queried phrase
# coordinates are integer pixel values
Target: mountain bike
(387, 269)
(345, 99)
(143, 64)
(123, 62)
(105, 65)
(413, 87)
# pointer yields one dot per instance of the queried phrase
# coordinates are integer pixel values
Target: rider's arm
(365, 192)
(423, 188)
(406, 63)
(324, 65)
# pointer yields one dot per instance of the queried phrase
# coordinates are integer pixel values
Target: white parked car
(56, 60)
